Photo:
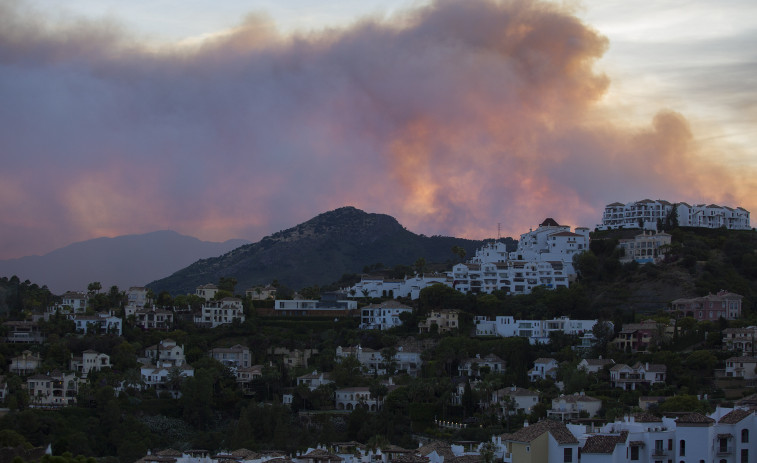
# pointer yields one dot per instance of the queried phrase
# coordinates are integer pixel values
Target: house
(594, 366)
(350, 398)
(74, 302)
(166, 351)
(292, 358)
(537, 331)
(236, 356)
(645, 248)
(55, 389)
(513, 400)
(261, 293)
(444, 320)
(153, 319)
(478, 366)
(246, 375)
(740, 339)
(640, 374)
(547, 441)
(99, 323)
(88, 361)
(383, 316)
(571, 407)
(23, 331)
(136, 296)
(543, 368)
(712, 307)
(330, 305)
(207, 292)
(741, 367)
(314, 380)
(25, 364)
(639, 337)
(223, 312)
(163, 376)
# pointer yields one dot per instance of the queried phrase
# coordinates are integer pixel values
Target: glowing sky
(238, 119)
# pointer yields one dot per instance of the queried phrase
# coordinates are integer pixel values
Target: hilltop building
(544, 257)
(647, 214)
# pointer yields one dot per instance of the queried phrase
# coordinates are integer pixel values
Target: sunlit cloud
(452, 117)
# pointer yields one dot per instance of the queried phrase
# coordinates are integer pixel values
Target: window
(634, 453)
(745, 436)
(744, 456)
(682, 448)
(567, 455)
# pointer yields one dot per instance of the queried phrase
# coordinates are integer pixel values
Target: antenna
(499, 230)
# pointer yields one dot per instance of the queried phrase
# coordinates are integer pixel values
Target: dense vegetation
(213, 413)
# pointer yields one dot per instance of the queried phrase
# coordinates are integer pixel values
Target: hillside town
(490, 361)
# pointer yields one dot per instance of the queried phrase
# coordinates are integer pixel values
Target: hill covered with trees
(319, 252)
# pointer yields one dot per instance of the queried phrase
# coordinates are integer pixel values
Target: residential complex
(537, 331)
(544, 257)
(647, 214)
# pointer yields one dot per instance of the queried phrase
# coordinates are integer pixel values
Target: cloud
(452, 117)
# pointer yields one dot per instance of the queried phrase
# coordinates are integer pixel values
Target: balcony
(727, 450)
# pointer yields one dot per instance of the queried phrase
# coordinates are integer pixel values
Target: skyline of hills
(123, 261)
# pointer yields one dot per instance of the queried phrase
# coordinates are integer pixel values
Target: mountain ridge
(140, 258)
(317, 252)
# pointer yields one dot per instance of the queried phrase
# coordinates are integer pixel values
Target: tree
(94, 287)
(420, 265)
(227, 284)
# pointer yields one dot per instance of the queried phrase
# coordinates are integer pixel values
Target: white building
(314, 380)
(55, 389)
(594, 366)
(570, 407)
(537, 331)
(476, 365)
(234, 357)
(165, 351)
(89, 360)
(217, 313)
(513, 400)
(741, 367)
(207, 292)
(383, 316)
(543, 368)
(405, 359)
(544, 257)
(645, 248)
(640, 374)
(647, 213)
(99, 323)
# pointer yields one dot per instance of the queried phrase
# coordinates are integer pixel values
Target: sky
(238, 119)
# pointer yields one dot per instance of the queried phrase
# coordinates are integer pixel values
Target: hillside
(123, 261)
(318, 252)
(700, 261)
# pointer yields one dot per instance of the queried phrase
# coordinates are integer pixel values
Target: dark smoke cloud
(451, 117)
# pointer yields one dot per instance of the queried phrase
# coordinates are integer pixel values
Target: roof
(549, 222)
(557, 429)
(734, 416)
(694, 418)
(646, 418)
(604, 443)
(442, 449)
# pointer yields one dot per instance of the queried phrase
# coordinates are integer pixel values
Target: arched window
(745, 435)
